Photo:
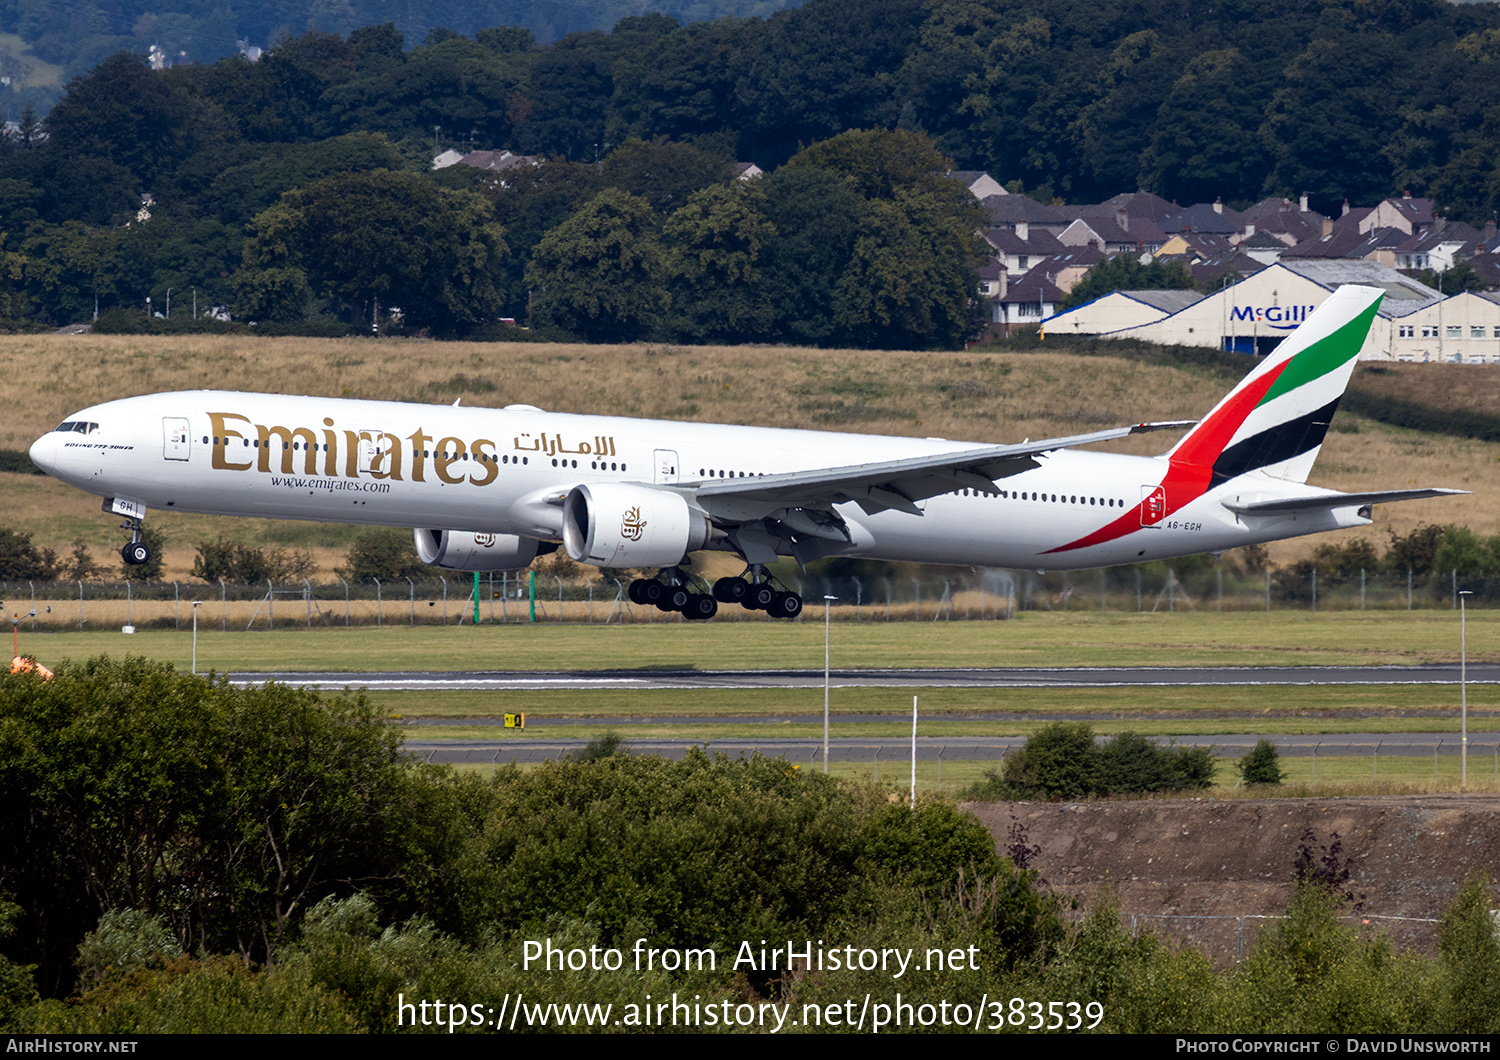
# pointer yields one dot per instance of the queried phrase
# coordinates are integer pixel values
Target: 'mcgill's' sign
(1285, 317)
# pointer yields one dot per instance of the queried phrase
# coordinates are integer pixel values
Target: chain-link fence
(967, 595)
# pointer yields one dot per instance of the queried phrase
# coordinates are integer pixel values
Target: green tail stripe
(1324, 356)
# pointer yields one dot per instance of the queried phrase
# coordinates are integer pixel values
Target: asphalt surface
(997, 677)
(509, 745)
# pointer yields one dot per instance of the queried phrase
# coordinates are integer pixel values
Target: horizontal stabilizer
(1324, 501)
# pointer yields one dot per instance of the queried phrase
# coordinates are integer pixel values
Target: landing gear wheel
(135, 553)
(700, 606)
(731, 590)
(761, 597)
(652, 592)
(673, 598)
(786, 605)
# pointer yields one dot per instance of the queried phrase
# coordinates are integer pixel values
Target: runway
(993, 677)
(510, 746)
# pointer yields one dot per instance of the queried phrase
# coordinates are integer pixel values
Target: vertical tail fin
(1275, 419)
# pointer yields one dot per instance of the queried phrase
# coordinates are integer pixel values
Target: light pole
(827, 600)
(1463, 691)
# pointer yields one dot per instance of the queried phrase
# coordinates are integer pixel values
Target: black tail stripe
(1272, 446)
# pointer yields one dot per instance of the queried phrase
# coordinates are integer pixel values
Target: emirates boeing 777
(490, 489)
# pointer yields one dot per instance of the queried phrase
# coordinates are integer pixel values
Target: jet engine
(466, 551)
(616, 525)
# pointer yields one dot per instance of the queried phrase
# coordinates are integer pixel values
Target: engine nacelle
(615, 525)
(466, 551)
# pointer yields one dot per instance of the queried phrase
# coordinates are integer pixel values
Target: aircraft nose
(44, 452)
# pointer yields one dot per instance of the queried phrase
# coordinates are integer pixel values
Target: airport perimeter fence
(506, 598)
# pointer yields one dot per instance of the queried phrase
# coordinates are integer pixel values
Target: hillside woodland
(223, 183)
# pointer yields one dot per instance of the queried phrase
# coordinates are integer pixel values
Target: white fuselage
(504, 471)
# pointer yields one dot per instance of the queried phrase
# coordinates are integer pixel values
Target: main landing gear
(671, 590)
(136, 551)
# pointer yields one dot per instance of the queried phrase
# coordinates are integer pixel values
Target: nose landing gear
(136, 551)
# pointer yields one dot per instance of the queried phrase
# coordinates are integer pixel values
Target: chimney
(1489, 229)
(1302, 202)
(1219, 205)
(1406, 194)
(1346, 207)
(1328, 224)
(1121, 219)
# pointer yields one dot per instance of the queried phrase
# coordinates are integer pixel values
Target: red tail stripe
(1209, 438)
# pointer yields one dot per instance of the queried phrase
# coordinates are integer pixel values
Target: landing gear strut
(136, 551)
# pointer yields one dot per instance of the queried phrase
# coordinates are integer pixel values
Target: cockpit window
(78, 427)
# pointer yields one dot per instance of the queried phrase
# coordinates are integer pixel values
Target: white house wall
(1274, 301)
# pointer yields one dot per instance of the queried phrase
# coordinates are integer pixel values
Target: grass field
(989, 397)
(1032, 640)
(1278, 638)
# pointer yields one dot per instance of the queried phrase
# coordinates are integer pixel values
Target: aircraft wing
(1325, 501)
(898, 484)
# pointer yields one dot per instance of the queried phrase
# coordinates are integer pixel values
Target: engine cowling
(466, 551)
(616, 525)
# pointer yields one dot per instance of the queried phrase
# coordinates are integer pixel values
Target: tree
(20, 560)
(1262, 765)
(714, 246)
(599, 273)
(233, 562)
(385, 553)
(223, 810)
(386, 238)
(1124, 273)
(663, 173)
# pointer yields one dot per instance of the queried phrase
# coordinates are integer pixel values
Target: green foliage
(385, 553)
(1310, 973)
(233, 562)
(124, 941)
(1466, 552)
(606, 745)
(1262, 764)
(1416, 551)
(20, 560)
(701, 850)
(393, 238)
(1058, 761)
(1062, 761)
(224, 810)
(1125, 273)
(1469, 956)
(927, 847)
(599, 273)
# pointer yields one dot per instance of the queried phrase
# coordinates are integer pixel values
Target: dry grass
(1467, 387)
(988, 397)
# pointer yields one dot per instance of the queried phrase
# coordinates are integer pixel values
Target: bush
(1262, 765)
(1059, 761)
(244, 564)
(385, 553)
(1062, 761)
(20, 560)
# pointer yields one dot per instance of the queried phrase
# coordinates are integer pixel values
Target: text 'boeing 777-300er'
(488, 490)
